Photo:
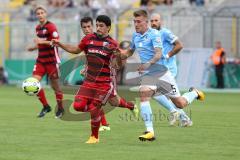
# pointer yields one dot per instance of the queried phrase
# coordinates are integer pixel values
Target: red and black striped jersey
(46, 53)
(99, 55)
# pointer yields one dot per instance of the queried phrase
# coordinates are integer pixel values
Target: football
(31, 86)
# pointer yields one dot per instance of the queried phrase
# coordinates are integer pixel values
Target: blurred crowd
(150, 5)
(53, 3)
(197, 2)
(156, 2)
(92, 8)
(50, 3)
(171, 2)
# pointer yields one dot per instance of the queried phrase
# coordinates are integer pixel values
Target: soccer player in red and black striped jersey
(98, 85)
(87, 28)
(47, 60)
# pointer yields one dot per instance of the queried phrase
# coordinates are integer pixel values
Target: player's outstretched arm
(67, 47)
(32, 48)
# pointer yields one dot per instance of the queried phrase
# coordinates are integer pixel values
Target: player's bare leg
(187, 98)
(180, 102)
(59, 96)
(39, 78)
(42, 98)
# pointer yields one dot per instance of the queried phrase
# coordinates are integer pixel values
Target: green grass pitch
(215, 134)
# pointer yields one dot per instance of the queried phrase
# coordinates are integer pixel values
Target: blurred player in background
(99, 83)
(47, 60)
(147, 43)
(171, 47)
(87, 28)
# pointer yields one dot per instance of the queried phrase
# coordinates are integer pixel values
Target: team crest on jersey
(44, 31)
(109, 45)
(146, 39)
(105, 44)
(158, 39)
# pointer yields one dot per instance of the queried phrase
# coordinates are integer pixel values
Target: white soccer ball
(31, 86)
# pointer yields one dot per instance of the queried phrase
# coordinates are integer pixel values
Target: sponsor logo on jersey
(97, 51)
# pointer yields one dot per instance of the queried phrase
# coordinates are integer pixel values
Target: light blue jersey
(167, 39)
(144, 44)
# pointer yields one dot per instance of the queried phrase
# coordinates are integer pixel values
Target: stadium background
(215, 133)
(198, 27)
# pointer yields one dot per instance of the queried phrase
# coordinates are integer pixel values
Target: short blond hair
(40, 7)
(140, 12)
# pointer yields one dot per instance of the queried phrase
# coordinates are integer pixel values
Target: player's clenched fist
(55, 42)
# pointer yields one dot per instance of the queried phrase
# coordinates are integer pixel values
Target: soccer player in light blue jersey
(147, 43)
(171, 47)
